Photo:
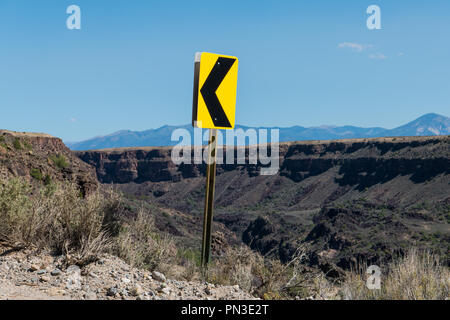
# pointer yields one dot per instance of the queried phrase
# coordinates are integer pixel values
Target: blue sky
(304, 63)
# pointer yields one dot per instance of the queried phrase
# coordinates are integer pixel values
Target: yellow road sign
(215, 85)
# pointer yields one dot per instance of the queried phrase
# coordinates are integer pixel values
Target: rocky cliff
(351, 164)
(124, 166)
(41, 158)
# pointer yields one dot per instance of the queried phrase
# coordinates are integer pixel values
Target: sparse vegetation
(47, 180)
(263, 277)
(418, 275)
(59, 219)
(60, 161)
(27, 145)
(17, 145)
(37, 174)
(142, 246)
(56, 219)
(235, 266)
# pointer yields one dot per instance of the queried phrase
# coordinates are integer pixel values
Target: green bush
(60, 161)
(47, 180)
(17, 145)
(37, 174)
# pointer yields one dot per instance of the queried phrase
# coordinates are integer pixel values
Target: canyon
(343, 200)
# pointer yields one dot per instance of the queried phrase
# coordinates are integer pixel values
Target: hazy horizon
(243, 125)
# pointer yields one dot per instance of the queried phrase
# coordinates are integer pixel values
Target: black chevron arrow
(212, 83)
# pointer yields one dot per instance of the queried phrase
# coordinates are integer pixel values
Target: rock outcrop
(41, 158)
(361, 162)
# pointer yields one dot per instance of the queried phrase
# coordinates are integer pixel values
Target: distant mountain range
(427, 125)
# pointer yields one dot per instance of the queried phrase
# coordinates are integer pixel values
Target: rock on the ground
(56, 272)
(159, 276)
(136, 290)
(44, 277)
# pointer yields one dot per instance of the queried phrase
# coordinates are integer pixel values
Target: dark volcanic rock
(362, 163)
(259, 236)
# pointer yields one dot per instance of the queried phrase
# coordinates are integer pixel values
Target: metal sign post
(209, 197)
(214, 107)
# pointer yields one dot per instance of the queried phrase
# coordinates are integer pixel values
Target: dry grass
(305, 282)
(268, 278)
(55, 218)
(418, 275)
(141, 245)
(235, 266)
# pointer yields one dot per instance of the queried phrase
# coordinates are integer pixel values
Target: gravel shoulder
(25, 275)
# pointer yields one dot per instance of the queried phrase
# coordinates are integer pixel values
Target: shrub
(27, 145)
(269, 278)
(139, 244)
(47, 180)
(15, 217)
(55, 218)
(78, 232)
(266, 278)
(37, 174)
(60, 161)
(417, 275)
(17, 145)
(235, 266)
(189, 261)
